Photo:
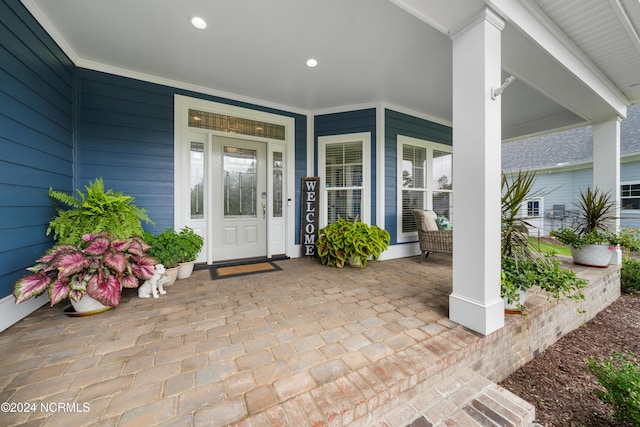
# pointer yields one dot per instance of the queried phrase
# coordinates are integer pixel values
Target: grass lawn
(546, 246)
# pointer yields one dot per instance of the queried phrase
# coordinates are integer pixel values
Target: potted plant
(593, 239)
(346, 240)
(165, 247)
(91, 274)
(97, 211)
(517, 255)
(522, 265)
(547, 273)
(188, 246)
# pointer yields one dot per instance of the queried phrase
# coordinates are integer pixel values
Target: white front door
(234, 188)
(239, 192)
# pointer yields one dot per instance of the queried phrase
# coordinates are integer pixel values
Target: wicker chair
(431, 238)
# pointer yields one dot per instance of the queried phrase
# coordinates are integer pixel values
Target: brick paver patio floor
(237, 350)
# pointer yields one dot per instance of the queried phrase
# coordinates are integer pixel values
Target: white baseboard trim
(401, 251)
(10, 313)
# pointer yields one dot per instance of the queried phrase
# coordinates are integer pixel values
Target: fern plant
(96, 212)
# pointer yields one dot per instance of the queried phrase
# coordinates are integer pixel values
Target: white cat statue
(155, 284)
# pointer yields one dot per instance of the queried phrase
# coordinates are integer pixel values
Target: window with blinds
(414, 186)
(344, 180)
(425, 181)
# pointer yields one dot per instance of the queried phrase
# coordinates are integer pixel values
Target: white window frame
(622, 197)
(365, 139)
(430, 146)
(525, 208)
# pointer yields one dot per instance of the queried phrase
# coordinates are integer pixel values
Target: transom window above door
(424, 182)
(232, 124)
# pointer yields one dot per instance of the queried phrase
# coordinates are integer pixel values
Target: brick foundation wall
(524, 337)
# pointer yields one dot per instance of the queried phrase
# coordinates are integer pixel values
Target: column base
(482, 318)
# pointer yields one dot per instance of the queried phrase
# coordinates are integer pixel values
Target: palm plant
(515, 236)
(596, 211)
(595, 222)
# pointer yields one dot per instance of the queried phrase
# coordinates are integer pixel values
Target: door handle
(264, 209)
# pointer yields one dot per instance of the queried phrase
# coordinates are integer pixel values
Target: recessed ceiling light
(311, 63)
(198, 22)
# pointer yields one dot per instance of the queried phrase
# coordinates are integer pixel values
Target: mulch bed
(558, 382)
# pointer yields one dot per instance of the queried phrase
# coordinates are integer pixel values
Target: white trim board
(10, 312)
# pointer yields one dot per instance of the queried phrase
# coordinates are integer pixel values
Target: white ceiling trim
(96, 66)
(552, 40)
(418, 14)
(623, 16)
(50, 29)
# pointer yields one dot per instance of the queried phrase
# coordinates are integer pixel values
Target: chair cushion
(429, 220)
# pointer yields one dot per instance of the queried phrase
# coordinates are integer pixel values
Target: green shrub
(629, 240)
(630, 275)
(620, 376)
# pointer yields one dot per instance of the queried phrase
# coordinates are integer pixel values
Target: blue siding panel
(126, 137)
(36, 137)
(350, 122)
(120, 128)
(402, 124)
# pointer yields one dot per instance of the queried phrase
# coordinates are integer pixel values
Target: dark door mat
(226, 269)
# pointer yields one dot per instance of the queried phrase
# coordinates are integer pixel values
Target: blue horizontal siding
(36, 137)
(122, 129)
(126, 137)
(403, 124)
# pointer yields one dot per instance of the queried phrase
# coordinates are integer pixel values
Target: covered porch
(307, 345)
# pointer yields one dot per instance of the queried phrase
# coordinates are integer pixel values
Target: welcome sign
(310, 215)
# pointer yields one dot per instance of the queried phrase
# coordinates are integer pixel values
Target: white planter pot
(513, 307)
(592, 255)
(172, 274)
(88, 306)
(616, 257)
(185, 270)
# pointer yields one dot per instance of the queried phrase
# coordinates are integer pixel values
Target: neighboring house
(563, 162)
(190, 123)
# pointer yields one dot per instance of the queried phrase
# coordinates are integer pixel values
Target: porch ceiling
(368, 51)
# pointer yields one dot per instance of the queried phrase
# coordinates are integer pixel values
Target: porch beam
(475, 301)
(606, 161)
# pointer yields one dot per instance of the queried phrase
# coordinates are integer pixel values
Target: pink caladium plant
(98, 267)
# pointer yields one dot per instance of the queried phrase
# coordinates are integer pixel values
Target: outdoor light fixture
(199, 23)
(497, 92)
(311, 63)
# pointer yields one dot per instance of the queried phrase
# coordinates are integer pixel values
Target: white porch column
(475, 301)
(606, 160)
